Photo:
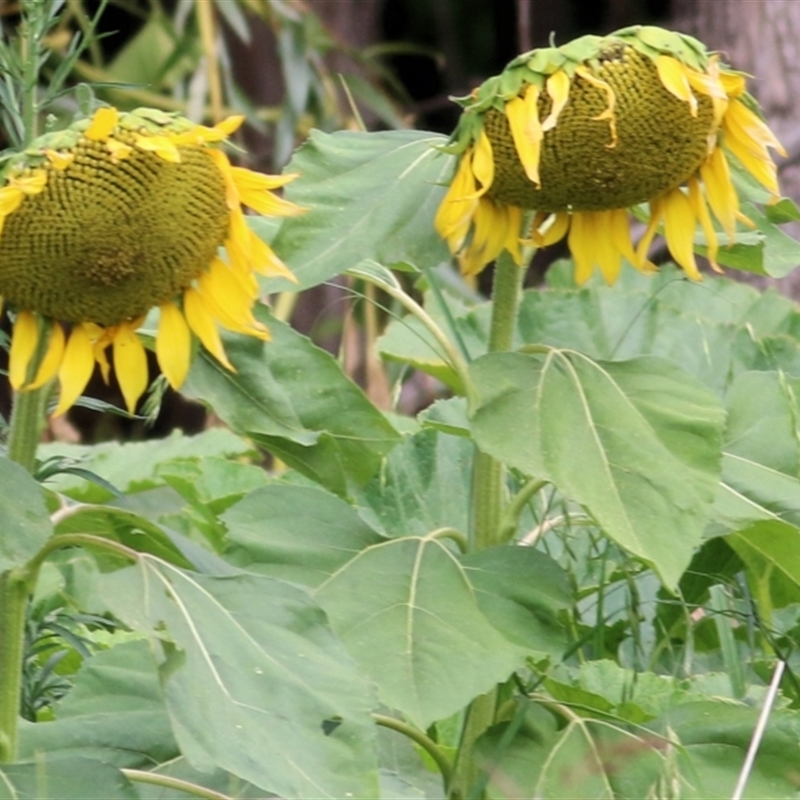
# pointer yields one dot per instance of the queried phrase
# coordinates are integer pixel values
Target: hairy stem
(15, 586)
(488, 500)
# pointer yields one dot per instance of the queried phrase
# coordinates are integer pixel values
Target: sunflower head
(119, 214)
(578, 134)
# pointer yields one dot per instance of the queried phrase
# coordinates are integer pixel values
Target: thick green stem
(488, 500)
(27, 423)
(15, 585)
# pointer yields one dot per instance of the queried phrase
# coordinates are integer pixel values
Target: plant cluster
(576, 574)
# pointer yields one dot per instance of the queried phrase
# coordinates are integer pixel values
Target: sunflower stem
(488, 500)
(15, 586)
(27, 423)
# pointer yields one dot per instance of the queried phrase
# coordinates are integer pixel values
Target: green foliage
(304, 603)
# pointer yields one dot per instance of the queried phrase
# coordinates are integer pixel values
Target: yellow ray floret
(80, 271)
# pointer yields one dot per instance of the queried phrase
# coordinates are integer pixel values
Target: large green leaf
(762, 420)
(408, 614)
(636, 442)
(424, 484)
(242, 681)
(770, 547)
(714, 737)
(123, 526)
(24, 521)
(521, 591)
(133, 466)
(70, 778)
(369, 195)
(293, 399)
(115, 712)
(300, 533)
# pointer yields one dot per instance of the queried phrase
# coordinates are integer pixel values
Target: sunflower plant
(570, 575)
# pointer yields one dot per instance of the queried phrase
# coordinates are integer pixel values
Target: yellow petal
(750, 129)
(201, 321)
(454, 215)
(720, 191)
(247, 180)
(526, 131)
(556, 230)
(268, 204)
(733, 83)
(679, 225)
(29, 184)
(558, 88)
(51, 362)
(620, 233)
(701, 213)
(130, 365)
(10, 201)
(249, 253)
(119, 150)
(24, 338)
(173, 345)
(77, 365)
(229, 125)
(162, 146)
(642, 263)
(228, 301)
(608, 114)
(60, 161)
(581, 240)
(483, 163)
(103, 123)
(673, 76)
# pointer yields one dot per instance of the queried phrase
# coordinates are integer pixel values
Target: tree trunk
(762, 38)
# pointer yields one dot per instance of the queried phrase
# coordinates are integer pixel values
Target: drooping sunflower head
(114, 216)
(582, 133)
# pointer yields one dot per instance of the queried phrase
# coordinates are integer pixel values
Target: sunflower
(584, 133)
(115, 216)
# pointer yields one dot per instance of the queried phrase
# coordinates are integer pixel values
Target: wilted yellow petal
(130, 365)
(608, 114)
(10, 201)
(526, 130)
(162, 146)
(60, 161)
(229, 125)
(720, 191)
(679, 225)
(202, 323)
(103, 123)
(673, 76)
(454, 215)
(483, 163)
(24, 338)
(173, 345)
(582, 242)
(748, 128)
(701, 213)
(51, 362)
(77, 365)
(558, 88)
(228, 301)
(556, 228)
(118, 150)
(733, 83)
(29, 184)
(620, 233)
(642, 263)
